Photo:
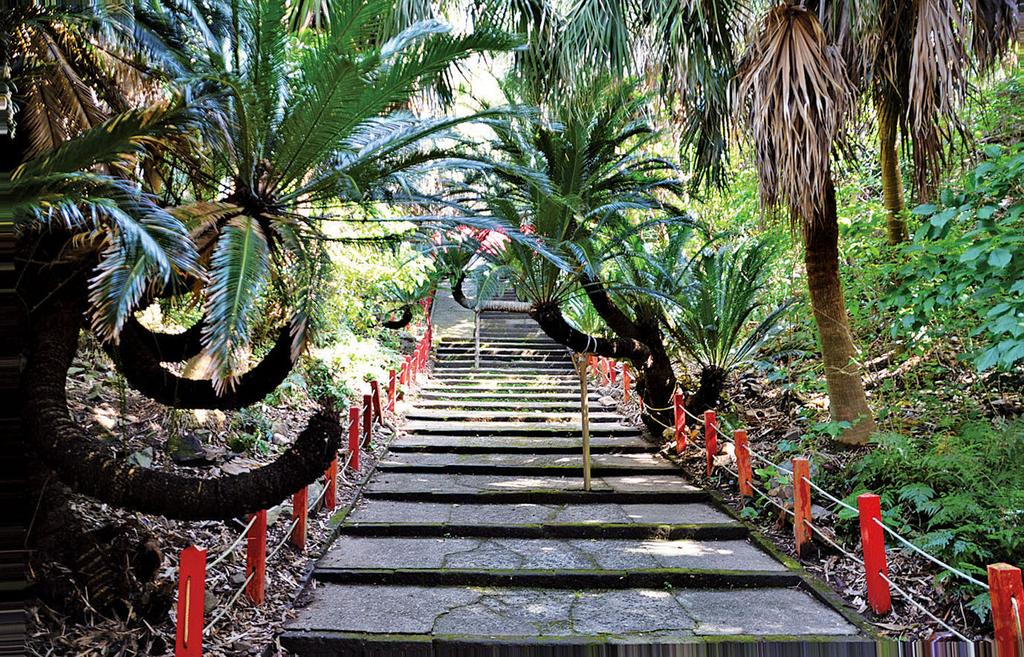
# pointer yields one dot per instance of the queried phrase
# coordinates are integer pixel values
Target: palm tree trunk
(892, 178)
(847, 400)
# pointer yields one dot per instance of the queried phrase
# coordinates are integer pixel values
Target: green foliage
(324, 385)
(960, 496)
(250, 430)
(965, 266)
(716, 306)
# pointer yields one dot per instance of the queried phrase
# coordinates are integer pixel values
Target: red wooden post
(625, 383)
(873, 545)
(801, 503)
(613, 371)
(1004, 588)
(404, 378)
(256, 558)
(392, 387)
(743, 462)
(605, 374)
(680, 421)
(375, 399)
(331, 482)
(300, 511)
(367, 419)
(188, 638)
(353, 437)
(710, 438)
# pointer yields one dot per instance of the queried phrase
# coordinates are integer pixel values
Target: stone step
(423, 620)
(551, 562)
(516, 444)
(586, 518)
(517, 462)
(458, 370)
(492, 415)
(517, 429)
(448, 349)
(471, 484)
(521, 361)
(485, 400)
(503, 343)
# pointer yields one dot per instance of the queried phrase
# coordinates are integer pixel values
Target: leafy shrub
(959, 497)
(324, 386)
(966, 263)
(250, 430)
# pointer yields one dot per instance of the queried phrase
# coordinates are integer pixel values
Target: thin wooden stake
(188, 636)
(256, 558)
(581, 370)
(625, 383)
(392, 390)
(801, 504)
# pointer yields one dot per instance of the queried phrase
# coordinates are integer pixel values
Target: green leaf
(999, 258)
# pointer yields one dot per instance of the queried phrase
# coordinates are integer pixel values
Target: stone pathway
(475, 531)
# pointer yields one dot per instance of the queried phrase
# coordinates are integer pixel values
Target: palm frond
(237, 276)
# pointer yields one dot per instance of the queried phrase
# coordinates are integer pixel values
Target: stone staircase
(474, 535)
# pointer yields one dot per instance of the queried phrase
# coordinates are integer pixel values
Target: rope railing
(192, 564)
(1004, 586)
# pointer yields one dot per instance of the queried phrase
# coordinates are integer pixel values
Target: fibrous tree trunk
(892, 177)
(847, 399)
(87, 465)
(654, 380)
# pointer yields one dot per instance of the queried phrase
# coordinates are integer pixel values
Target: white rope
(224, 610)
(820, 534)
(830, 496)
(1016, 620)
(230, 549)
(287, 535)
(924, 609)
(930, 557)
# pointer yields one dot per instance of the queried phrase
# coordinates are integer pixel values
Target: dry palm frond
(938, 86)
(995, 24)
(798, 100)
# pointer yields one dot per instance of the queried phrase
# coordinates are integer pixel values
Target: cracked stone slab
(640, 461)
(440, 442)
(482, 554)
(415, 513)
(525, 613)
(412, 482)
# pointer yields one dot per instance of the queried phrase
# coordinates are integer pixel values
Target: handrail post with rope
(876, 567)
(625, 382)
(679, 409)
(392, 390)
(801, 504)
(710, 438)
(300, 512)
(354, 444)
(1007, 595)
(743, 470)
(256, 557)
(367, 420)
(331, 484)
(188, 636)
(378, 411)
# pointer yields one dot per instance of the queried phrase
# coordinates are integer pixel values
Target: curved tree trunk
(169, 347)
(892, 177)
(143, 370)
(401, 322)
(88, 466)
(655, 382)
(847, 400)
(524, 307)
